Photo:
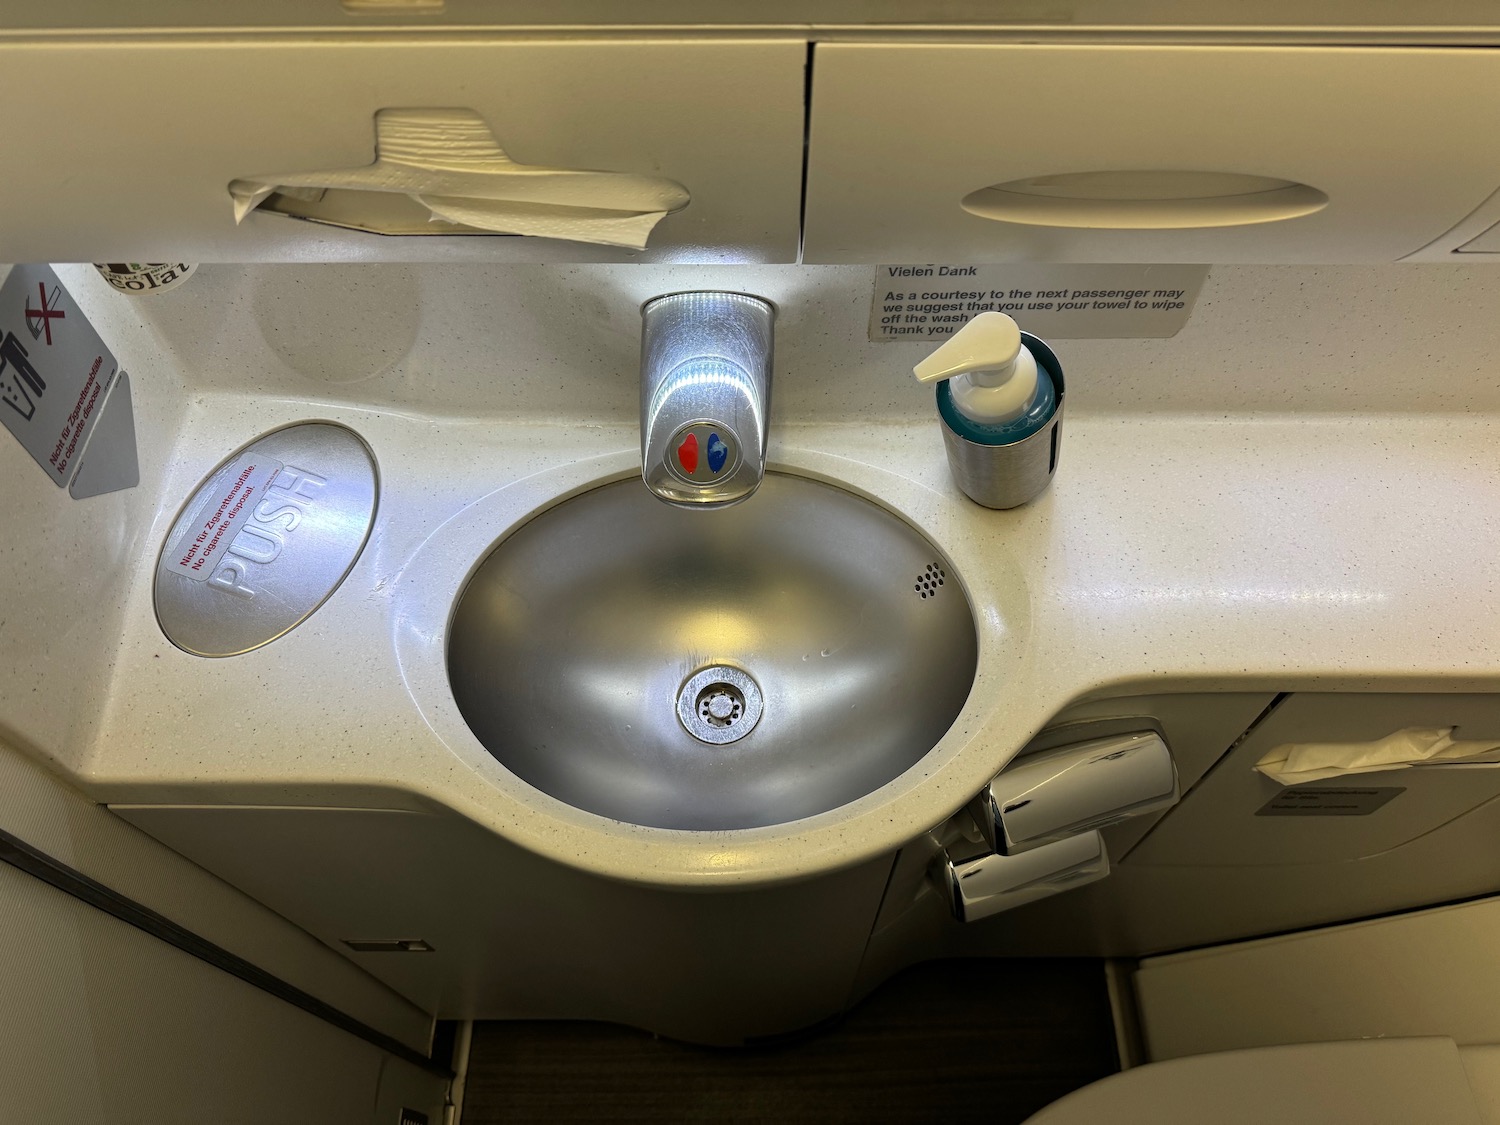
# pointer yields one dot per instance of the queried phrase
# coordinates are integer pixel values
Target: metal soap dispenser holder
(1000, 399)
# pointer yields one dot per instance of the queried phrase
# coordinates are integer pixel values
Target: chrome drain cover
(719, 704)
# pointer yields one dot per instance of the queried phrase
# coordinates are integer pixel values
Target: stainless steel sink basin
(712, 669)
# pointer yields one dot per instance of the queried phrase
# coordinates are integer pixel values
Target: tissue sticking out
(1298, 762)
(441, 171)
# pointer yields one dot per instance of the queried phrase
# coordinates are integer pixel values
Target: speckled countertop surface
(1258, 553)
(1276, 544)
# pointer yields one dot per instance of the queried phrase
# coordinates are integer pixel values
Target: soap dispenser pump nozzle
(993, 372)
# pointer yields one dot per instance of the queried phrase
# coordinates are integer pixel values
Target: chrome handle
(1080, 788)
(991, 883)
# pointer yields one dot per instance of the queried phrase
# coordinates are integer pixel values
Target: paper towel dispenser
(1237, 816)
(441, 171)
(722, 117)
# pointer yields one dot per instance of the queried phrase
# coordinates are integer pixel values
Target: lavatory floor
(940, 1042)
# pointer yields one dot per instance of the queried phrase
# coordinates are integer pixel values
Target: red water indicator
(687, 454)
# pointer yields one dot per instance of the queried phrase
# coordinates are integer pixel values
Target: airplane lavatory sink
(709, 670)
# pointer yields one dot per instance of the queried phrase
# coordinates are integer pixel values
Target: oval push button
(266, 539)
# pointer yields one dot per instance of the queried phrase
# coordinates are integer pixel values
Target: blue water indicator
(718, 453)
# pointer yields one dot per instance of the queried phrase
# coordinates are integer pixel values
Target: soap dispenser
(1000, 398)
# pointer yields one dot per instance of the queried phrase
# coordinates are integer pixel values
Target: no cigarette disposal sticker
(55, 371)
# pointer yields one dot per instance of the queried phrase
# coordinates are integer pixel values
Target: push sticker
(236, 490)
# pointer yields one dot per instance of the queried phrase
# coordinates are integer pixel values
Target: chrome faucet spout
(705, 396)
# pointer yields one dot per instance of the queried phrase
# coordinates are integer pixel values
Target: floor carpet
(985, 1040)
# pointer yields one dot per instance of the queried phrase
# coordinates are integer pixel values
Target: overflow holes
(929, 581)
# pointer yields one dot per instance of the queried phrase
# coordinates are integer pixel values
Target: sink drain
(719, 704)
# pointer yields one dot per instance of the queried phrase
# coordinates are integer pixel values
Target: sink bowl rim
(426, 593)
(614, 587)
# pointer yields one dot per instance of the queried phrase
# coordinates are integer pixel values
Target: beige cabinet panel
(39, 809)
(516, 936)
(106, 1024)
(1431, 972)
(1227, 820)
(1198, 729)
(124, 150)
(915, 923)
(1140, 910)
(1174, 890)
(1116, 153)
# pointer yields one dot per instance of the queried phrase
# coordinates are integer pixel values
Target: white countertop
(1178, 552)
(1349, 542)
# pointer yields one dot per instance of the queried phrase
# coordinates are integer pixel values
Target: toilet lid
(1357, 1082)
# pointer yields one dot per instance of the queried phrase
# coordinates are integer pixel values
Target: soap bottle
(1000, 399)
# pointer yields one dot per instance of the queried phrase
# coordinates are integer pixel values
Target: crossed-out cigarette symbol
(44, 314)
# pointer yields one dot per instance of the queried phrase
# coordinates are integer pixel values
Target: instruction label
(1329, 802)
(55, 371)
(236, 490)
(1060, 302)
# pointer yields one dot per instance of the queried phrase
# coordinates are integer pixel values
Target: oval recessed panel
(266, 539)
(1145, 200)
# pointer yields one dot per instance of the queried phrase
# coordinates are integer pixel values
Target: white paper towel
(448, 162)
(1298, 762)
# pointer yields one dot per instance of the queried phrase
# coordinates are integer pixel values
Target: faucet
(705, 396)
